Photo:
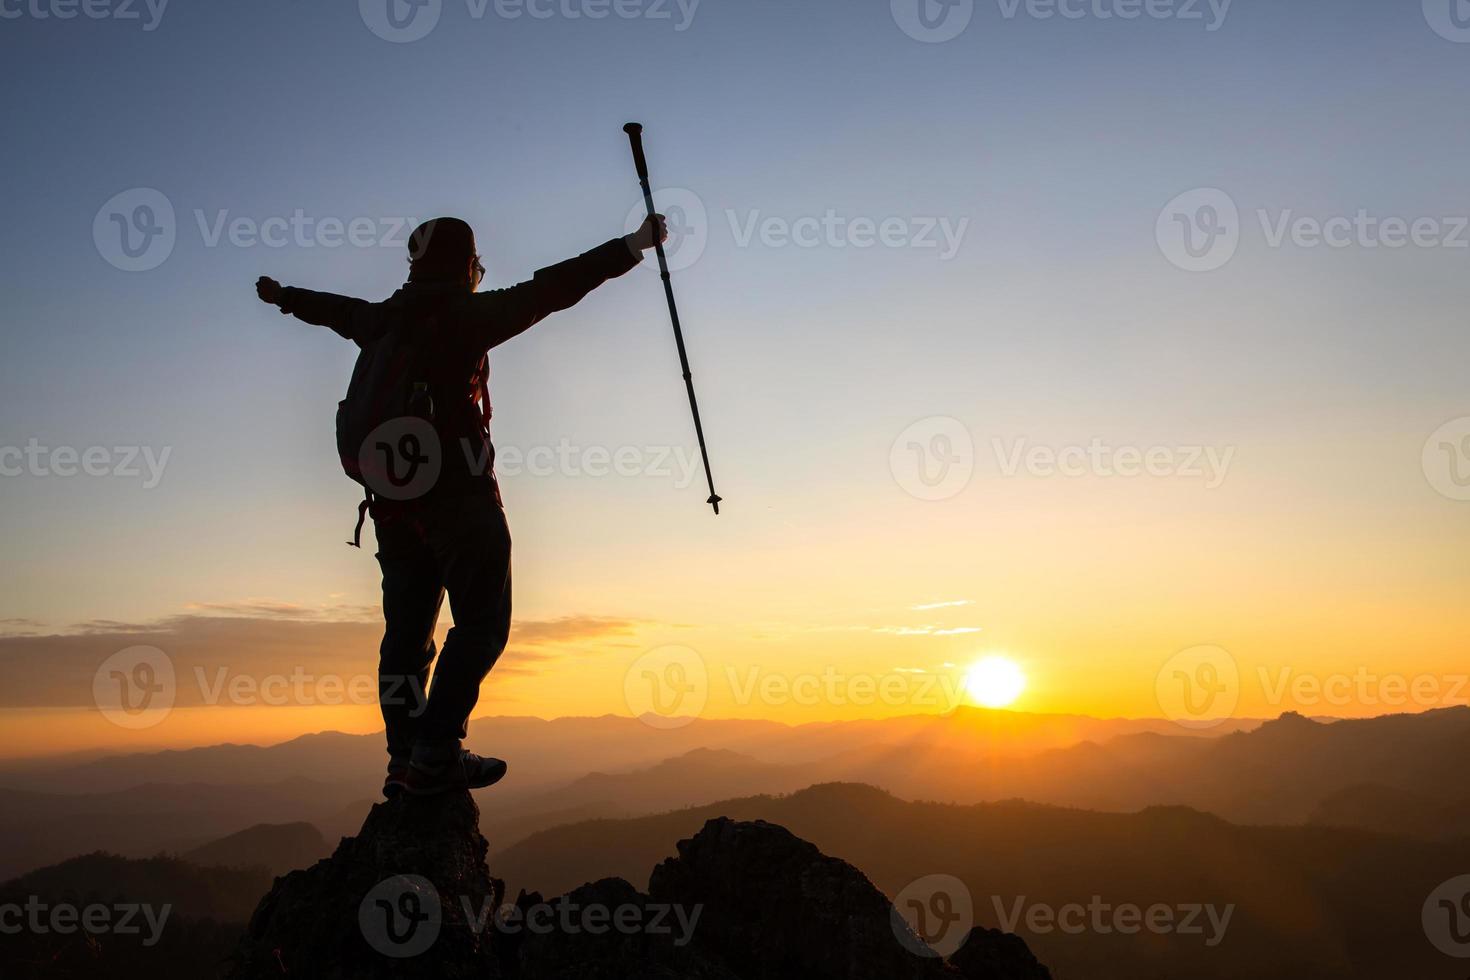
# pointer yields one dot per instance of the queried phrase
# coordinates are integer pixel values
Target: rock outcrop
(411, 896)
(404, 898)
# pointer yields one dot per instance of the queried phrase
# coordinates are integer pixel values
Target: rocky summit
(411, 896)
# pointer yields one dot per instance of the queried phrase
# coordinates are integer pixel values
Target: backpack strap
(362, 517)
(483, 373)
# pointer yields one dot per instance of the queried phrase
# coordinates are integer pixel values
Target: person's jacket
(465, 326)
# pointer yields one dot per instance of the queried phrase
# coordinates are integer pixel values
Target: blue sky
(1059, 318)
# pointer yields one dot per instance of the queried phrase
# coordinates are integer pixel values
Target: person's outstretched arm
(355, 319)
(500, 314)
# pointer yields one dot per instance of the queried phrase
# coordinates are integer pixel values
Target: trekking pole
(635, 136)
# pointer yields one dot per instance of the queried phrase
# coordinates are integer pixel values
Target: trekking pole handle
(635, 136)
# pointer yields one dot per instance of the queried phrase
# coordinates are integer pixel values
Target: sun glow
(995, 682)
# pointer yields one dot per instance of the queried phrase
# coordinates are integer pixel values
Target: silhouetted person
(422, 377)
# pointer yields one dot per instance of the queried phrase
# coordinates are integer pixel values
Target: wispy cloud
(927, 630)
(275, 609)
(949, 604)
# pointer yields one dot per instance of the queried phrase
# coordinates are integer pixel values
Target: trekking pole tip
(714, 501)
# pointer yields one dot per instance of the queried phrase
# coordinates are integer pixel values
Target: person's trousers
(459, 545)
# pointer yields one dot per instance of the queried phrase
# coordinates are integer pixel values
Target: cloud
(927, 630)
(272, 609)
(943, 605)
(20, 626)
(252, 643)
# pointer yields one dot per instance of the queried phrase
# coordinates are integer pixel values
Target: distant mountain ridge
(1307, 902)
(278, 848)
(1290, 770)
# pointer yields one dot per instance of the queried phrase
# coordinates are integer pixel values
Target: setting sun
(995, 682)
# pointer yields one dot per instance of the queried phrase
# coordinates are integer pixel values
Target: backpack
(389, 436)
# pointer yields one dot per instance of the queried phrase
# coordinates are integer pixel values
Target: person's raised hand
(643, 239)
(268, 290)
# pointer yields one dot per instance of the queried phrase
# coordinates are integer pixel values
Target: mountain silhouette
(276, 847)
(1307, 901)
(412, 896)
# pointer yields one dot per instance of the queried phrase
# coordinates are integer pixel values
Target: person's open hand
(643, 239)
(268, 290)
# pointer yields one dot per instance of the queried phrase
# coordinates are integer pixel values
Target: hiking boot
(468, 771)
